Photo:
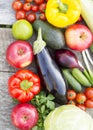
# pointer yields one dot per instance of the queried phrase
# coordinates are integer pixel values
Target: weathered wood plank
(6, 103)
(7, 16)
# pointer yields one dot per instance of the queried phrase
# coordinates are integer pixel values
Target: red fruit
(80, 98)
(78, 37)
(19, 54)
(38, 1)
(89, 93)
(71, 94)
(89, 103)
(17, 5)
(42, 16)
(31, 17)
(20, 14)
(27, 7)
(42, 7)
(24, 116)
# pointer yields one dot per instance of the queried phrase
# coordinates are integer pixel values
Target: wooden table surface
(6, 103)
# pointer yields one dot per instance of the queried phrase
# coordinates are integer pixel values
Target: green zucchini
(80, 77)
(74, 84)
(53, 36)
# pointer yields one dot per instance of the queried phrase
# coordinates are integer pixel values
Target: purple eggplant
(66, 58)
(50, 71)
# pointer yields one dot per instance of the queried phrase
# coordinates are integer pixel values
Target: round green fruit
(22, 30)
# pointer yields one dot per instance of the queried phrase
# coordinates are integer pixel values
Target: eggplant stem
(39, 44)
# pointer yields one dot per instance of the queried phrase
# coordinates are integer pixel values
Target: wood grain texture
(7, 16)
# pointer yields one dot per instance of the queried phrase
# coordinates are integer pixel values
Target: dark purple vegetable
(66, 58)
(51, 73)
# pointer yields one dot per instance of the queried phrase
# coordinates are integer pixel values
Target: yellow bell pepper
(62, 13)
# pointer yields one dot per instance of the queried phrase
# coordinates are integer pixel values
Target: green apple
(22, 30)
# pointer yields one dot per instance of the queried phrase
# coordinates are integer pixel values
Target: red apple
(19, 54)
(78, 37)
(24, 116)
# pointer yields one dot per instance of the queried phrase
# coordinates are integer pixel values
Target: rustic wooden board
(7, 16)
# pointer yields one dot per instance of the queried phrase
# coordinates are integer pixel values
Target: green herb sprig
(45, 104)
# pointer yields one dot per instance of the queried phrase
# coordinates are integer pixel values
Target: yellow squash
(62, 13)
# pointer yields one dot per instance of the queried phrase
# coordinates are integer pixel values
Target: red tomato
(89, 103)
(28, 0)
(21, 14)
(42, 7)
(89, 93)
(81, 106)
(34, 8)
(17, 5)
(42, 16)
(38, 1)
(71, 102)
(31, 17)
(71, 94)
(26, 7)
(80, 98)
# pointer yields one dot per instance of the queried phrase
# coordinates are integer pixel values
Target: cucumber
(74, 84)
(53, 36)
(80, 77)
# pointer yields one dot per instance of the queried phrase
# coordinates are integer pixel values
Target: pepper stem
(39, 44)
(25, 84)
(62, 7)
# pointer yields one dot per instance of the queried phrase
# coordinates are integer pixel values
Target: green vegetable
(72, 81)
(68, 117)
(87, 12)
(44, 104)
(80, 77)
(53, 36)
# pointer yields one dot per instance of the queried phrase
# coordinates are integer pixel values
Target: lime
(22, 30)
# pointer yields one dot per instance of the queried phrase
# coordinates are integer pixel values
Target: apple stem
(39, 44)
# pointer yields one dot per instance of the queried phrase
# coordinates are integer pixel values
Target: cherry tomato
(17, 5)
(34, 8)
(38, 1)
(21, 14)
(80, 98)
(81, 106)
(26, 7)
(31, 17)
(28, 0)
(89, 93)
(71, 102)
(42, 16)
(42, 7)
(71, 94)
(89, 103)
